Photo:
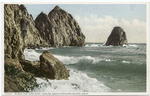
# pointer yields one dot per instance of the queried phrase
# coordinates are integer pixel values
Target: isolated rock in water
(60, 28)
(117, 37)
(51, 67)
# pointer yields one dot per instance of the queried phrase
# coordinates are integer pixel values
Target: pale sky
(97, 20)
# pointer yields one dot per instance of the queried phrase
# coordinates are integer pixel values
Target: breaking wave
(78, 82)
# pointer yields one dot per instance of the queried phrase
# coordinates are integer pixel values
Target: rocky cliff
(117, 37)
(57, 29)
(60, 28)
(19, 31)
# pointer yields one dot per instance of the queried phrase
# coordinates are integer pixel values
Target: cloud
(98, 29)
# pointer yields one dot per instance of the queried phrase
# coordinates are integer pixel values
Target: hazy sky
(98, 20)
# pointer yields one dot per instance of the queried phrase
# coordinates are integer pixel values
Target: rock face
(15, 78)
(57, 29)
(51, 67)
(117, 37)
(31, 66)
(60, 28)
(19, 30)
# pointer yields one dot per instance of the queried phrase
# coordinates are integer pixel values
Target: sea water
(96, 68)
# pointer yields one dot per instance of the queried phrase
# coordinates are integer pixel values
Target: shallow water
(97, 68)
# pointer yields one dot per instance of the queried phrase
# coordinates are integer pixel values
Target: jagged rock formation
(117, 37)
(19, 30)
(60, 28)
(51, 67)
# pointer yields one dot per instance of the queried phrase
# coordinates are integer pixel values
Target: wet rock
(117, 37)
(51, 67)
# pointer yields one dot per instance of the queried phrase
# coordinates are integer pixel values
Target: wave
(73, 60)
(31, 54)
(45, 48)
(130, 45)
(92, 45)
(133, 45)
(126, 62)
(78, 82)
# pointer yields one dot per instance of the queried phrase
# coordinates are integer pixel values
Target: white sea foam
(78, 82)
(133, 45)
(73, 60)
(92, 45)
(45, 48)
(108, 60)
(31, 54)
(126, 62)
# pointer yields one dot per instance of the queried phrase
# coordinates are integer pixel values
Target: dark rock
(31, 66)
(117, 37)
(60, 28)
(12, 66)
(44, 26)
(51, 67)
(10, 85)
(16, 79)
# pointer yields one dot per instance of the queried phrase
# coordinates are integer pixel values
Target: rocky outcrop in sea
(117, 37)
(62, 28)
(58, 28)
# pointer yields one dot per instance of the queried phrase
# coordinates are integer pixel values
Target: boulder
(60, 28)
(117, 37)
(51, 67)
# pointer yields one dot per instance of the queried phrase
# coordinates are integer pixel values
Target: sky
(98, 20)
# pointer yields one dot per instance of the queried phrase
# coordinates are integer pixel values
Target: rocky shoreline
(58, 28)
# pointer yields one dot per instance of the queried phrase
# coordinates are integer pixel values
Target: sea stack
(117, 37)
(59, 28)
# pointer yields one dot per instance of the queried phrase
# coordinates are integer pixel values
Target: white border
(79, 93)
(2, 48)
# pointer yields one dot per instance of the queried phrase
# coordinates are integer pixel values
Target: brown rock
(12, 66)
(60, 28)
(51, 67)
(19, 31)
(31, 66)
(15, 78)
(11, 85)
(117, 37)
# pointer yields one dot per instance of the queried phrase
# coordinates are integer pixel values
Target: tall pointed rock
(61, 28)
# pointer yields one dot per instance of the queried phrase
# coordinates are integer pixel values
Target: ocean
(96, 68)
